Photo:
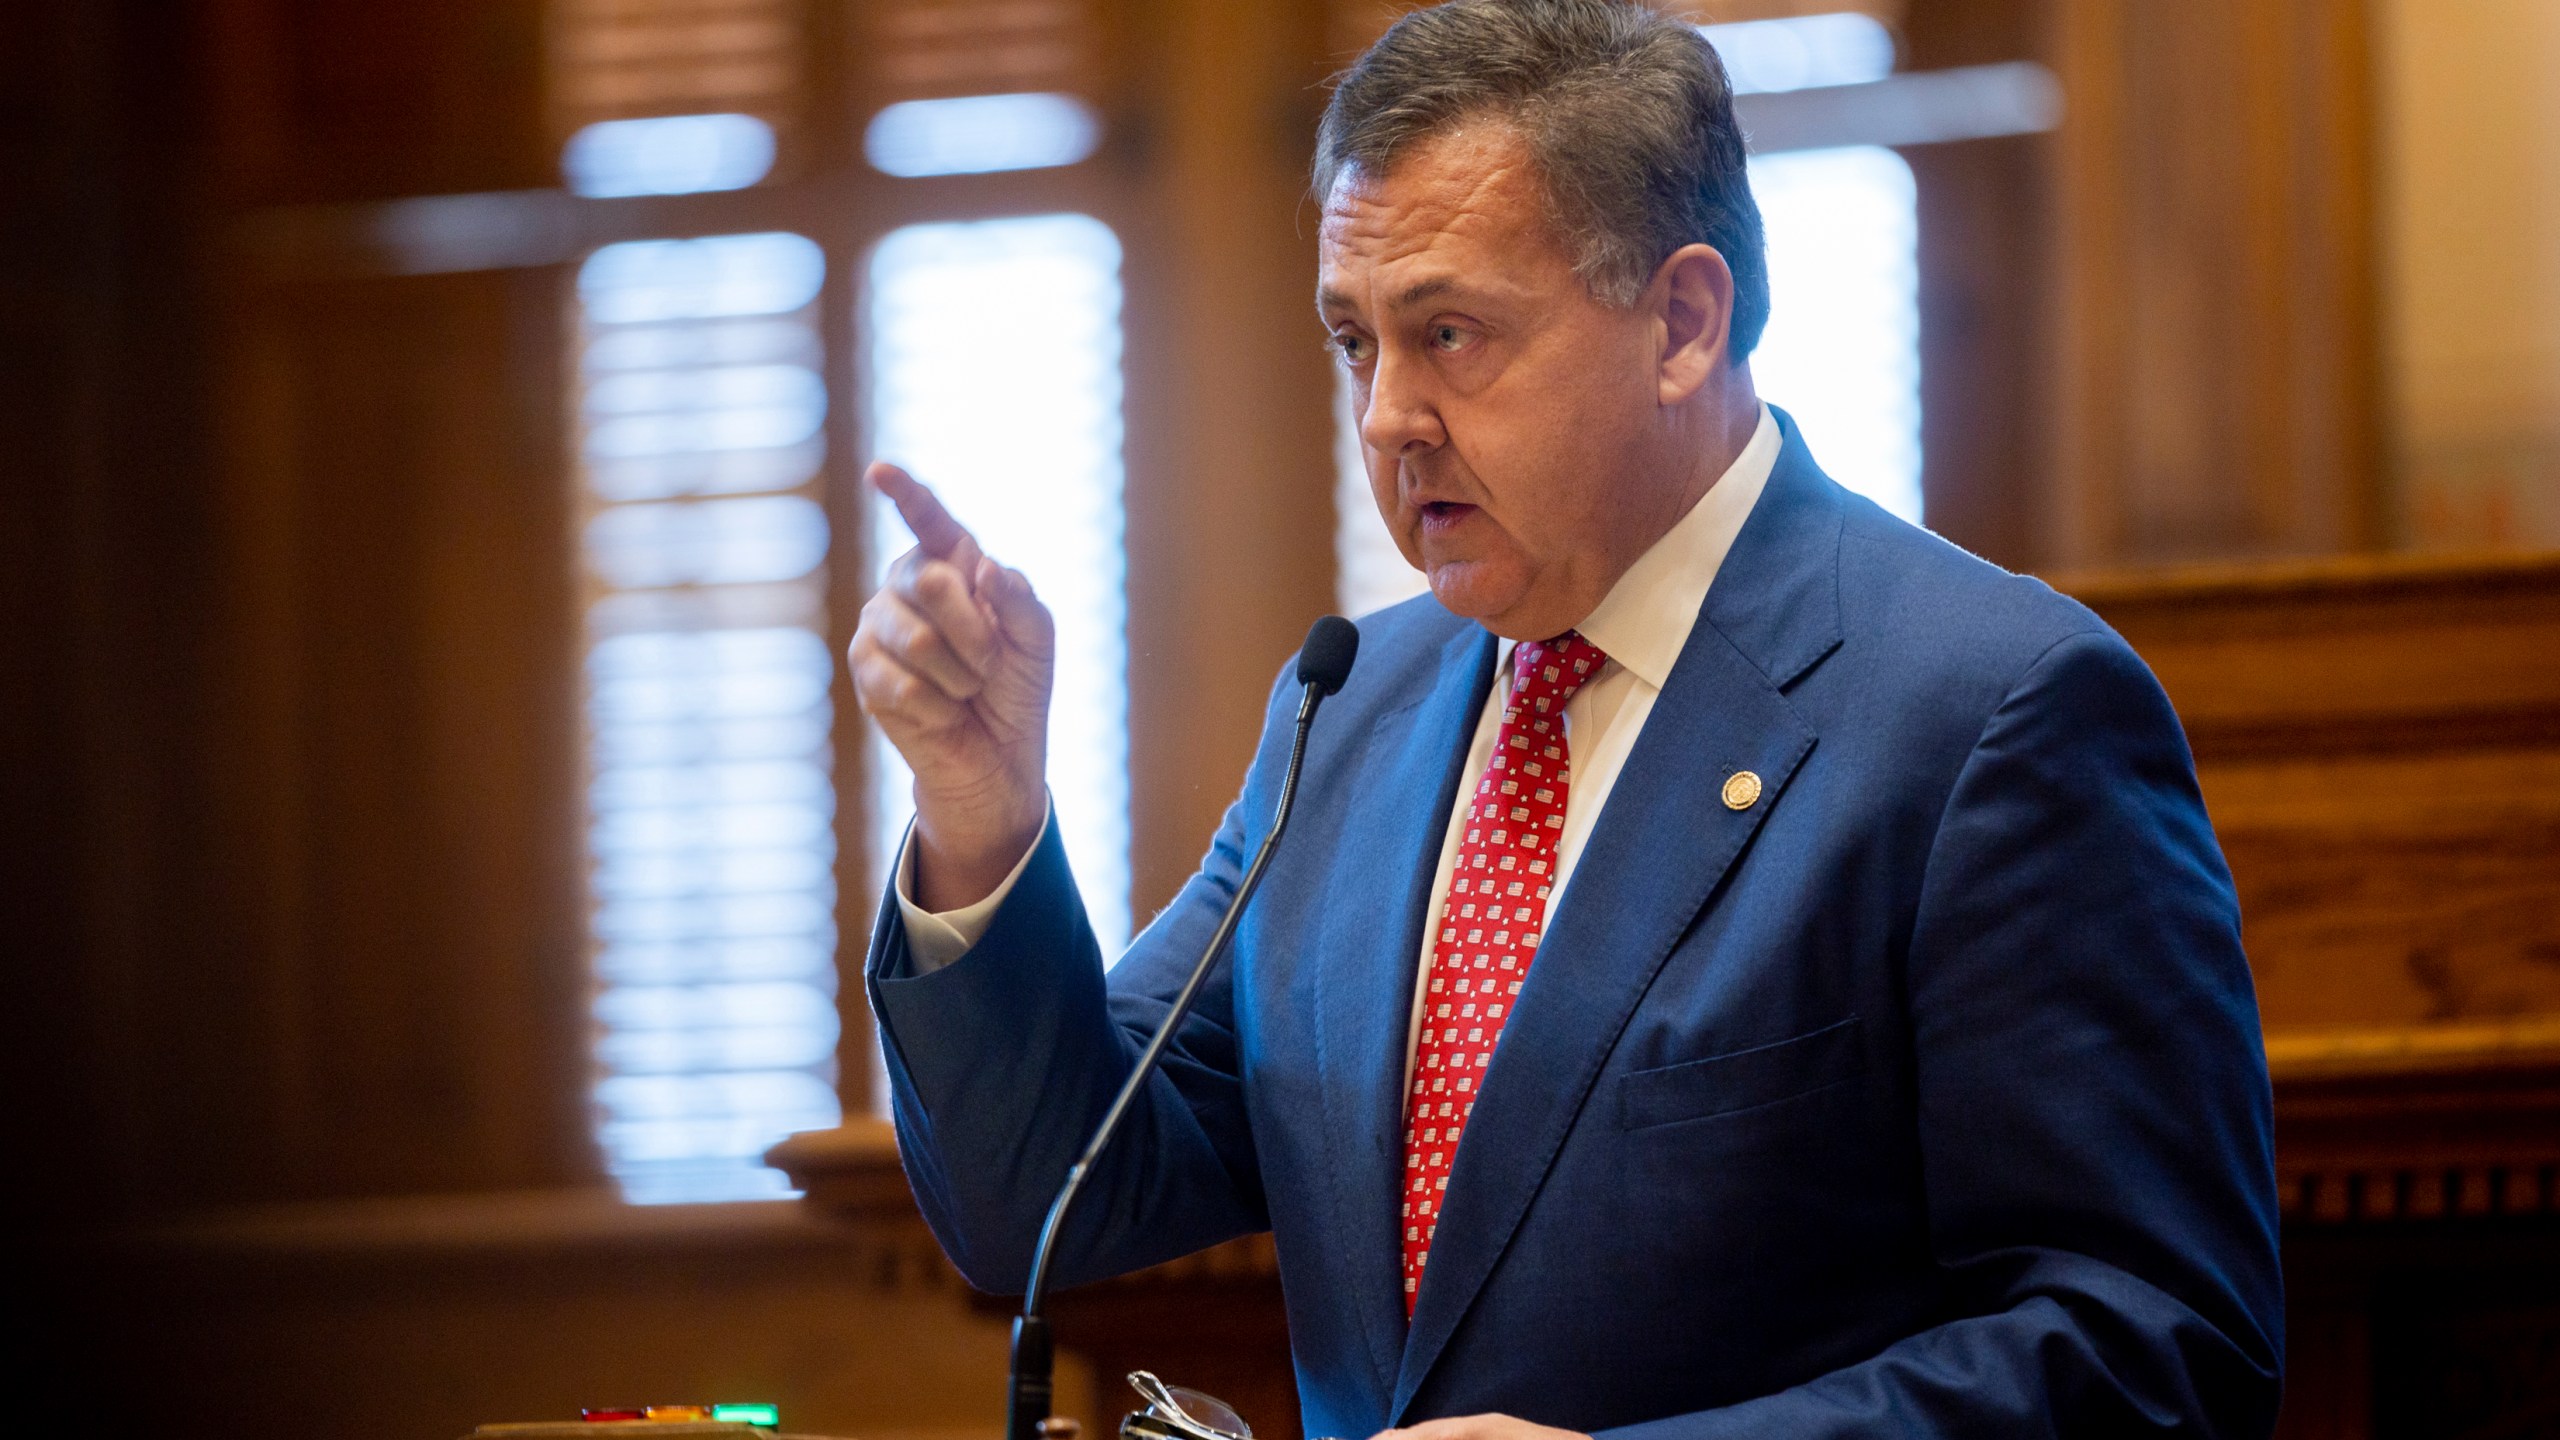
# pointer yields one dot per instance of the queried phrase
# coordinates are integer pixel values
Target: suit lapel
(1663, 843)
(1366, 965)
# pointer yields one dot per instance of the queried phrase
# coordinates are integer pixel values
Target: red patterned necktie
(1489, 928)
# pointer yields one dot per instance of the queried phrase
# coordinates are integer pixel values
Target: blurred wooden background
(288, 606)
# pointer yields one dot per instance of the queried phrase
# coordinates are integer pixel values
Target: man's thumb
(1025, 621)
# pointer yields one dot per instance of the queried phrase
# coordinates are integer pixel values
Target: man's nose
(1403, 413)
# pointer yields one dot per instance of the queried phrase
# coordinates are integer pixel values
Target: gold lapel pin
(1741, 790)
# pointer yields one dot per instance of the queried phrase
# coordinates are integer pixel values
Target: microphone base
(1028, 1393)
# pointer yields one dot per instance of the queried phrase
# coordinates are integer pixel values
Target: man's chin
(1474, 589)
(1497, 597)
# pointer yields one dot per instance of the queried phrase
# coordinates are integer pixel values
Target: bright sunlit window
(1842, 352)
(669, 155)
(993, 352)
(711, 805)
(977, 134)
(1802, 52)
(1370, 573)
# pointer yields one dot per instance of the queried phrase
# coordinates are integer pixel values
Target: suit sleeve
(2092, 1099)
(1002, 1062)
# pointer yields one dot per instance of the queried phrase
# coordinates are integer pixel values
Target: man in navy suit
(1740, 966)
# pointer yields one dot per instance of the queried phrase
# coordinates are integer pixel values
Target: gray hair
(1626, 112)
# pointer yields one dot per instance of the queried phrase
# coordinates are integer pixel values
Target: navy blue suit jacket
(1925, 1096)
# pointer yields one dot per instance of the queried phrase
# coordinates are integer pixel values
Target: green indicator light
(757, 1414)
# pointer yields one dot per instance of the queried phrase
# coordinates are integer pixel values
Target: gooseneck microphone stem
(1325, 660)
(1182, 1002)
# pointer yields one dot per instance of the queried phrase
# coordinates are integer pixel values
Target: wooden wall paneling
(827, 140)
(2430, 897)
(102, 451)
(2481, 1341)
(2218, 353)
(314, 100)
(387, 992)
(2328, 1354)
(2469, 163)
(2427, 1331)
(2380, 747)
(848, 574)
(418, 1319)
(1230, 450)
(1986, 303)
(1985, 384)
(53, 287)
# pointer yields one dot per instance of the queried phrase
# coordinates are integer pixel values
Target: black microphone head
(1325, 660)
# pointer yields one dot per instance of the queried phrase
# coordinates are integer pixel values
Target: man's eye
(1448, 337)
(1352, 348)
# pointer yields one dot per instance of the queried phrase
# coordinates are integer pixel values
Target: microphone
(1324, 662)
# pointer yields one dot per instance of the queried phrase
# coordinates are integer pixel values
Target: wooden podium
(1211, 1321)
(2379, 744)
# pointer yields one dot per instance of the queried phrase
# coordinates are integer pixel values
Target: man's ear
(1692, 300)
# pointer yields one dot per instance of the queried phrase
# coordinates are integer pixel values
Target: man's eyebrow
(1330, 299)
(1423, 290)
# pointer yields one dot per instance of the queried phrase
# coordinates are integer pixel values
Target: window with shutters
(702, 454)
(957, 87)
(698, 68)
(981, 338)
(1037, 477)
(991, 338)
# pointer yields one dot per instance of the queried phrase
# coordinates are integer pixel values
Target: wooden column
(1230, 445)
(319, 781)
(2217, 357)
(1986, 295)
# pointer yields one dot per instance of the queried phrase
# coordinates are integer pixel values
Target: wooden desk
(2379, 744)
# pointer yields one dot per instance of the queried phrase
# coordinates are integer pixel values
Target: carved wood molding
(853, 1172)
(2311, 1056)
(2315, 581)
(2359, 655)
(2422, 1123)
(2378, 740)
(519, 1241)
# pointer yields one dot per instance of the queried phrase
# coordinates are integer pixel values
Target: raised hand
(954, 658)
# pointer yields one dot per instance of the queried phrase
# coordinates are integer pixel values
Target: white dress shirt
(1640, 625)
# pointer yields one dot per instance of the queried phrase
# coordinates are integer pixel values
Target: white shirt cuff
(935, 939)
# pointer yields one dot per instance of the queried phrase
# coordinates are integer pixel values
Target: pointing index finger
(941, 536)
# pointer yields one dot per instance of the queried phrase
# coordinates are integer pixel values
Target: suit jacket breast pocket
(1742, 1080)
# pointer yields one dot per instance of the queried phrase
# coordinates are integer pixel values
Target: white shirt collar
(1645, 618)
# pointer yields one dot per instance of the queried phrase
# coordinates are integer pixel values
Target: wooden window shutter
(632, 59)
(934, 49)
